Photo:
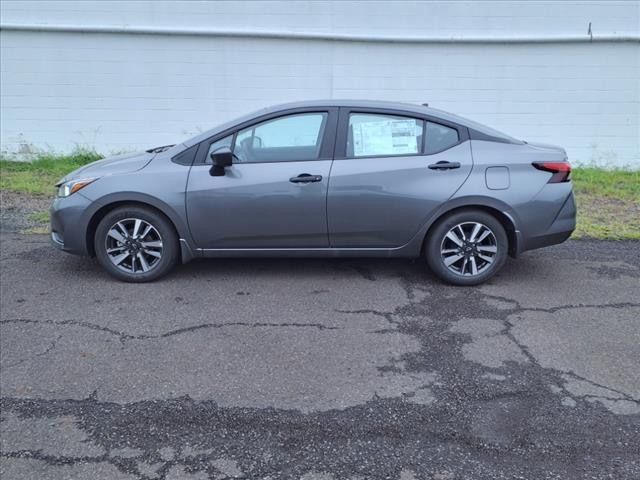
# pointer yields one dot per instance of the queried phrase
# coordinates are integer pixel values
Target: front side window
(440, 138)
(285, 139)
(383, 135)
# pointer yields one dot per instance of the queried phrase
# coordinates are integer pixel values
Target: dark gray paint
(362, 207)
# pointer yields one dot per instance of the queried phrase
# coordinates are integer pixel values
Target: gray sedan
(326, 178)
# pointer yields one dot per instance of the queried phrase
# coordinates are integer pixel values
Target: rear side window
(284, 139)
(440, 138)
(383, 135)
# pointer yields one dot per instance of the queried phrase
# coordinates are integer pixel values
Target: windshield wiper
(159, 149)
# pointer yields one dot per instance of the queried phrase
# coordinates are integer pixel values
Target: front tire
(136, 244)
(466, 247)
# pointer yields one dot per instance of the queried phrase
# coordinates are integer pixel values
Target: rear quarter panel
(529, 199)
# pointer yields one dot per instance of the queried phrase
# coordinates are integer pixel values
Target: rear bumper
(69, 224)
(560, 229)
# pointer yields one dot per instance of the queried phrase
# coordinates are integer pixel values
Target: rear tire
(136, 244)
(466, 247)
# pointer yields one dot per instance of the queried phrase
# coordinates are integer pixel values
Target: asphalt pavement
(320, 369)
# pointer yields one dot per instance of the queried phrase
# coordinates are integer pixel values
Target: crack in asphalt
(625, 396)
(41, 354)
(477, 428)
(507, 332)
(124, 337)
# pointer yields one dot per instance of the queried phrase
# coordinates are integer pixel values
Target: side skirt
(404, 251)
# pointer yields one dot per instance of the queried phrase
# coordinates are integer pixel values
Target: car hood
(126, 163)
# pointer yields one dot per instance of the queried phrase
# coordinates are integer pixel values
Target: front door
(386, 180)
(274, 195)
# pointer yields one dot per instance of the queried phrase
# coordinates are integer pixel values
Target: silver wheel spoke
(146, 232)
(143, 262)
(120, 258)
(464, 266)
(464, 237)
(136, 228)
(113, 233)
(154, 244)
(488, 248)
(474, 267)
(454, 238)
(152, 253)
(452, 259)
(485, 258)
(484, 235)
(116, 249)
(449, 250)
(123, 229)
(476, 229)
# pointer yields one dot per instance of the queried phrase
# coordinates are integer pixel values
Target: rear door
(391, 171)
(274, 195)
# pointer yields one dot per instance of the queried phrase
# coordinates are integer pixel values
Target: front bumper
(69, 221)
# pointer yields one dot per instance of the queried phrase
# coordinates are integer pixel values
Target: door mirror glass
(221, 159)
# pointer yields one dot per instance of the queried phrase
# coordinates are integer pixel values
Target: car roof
(373, 104)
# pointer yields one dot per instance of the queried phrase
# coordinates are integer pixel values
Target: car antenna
(425, 104)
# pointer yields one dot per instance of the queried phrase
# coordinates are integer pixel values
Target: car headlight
(72, 186)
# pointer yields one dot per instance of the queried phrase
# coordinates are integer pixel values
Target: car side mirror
(221, 159)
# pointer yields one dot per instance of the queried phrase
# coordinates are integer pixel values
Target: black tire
(437, 241)
(156, 268)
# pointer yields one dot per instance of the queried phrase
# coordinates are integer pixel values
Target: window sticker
(386, 137)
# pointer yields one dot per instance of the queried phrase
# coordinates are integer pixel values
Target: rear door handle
(442, 165)
(306, 178)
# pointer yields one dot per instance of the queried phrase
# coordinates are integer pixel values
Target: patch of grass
(608, 200)
(38, 177)
(608, 203)
(39, 217)
(41, 223)
(616, 184)
(39, 230)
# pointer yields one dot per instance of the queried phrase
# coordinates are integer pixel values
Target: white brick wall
(120, 91)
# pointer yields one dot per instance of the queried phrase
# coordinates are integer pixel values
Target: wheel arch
(108, 204)
(495, 208)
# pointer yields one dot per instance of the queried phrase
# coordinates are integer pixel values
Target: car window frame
(327, 145)
(343, 131)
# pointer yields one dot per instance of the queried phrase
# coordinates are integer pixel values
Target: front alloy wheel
(134, 245)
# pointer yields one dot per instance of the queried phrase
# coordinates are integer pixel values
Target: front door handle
(442, 165)
(306, 178)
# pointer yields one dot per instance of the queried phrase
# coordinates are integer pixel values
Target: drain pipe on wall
(327, 36)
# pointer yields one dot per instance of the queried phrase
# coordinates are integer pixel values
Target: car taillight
(561, 170)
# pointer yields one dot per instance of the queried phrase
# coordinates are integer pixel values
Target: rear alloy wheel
(136, 244)
(467, 247)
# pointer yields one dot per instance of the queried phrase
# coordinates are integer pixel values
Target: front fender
(175, 213)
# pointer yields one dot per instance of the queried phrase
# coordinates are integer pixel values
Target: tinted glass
(440, 138)
(290, 138)
(381, 135)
